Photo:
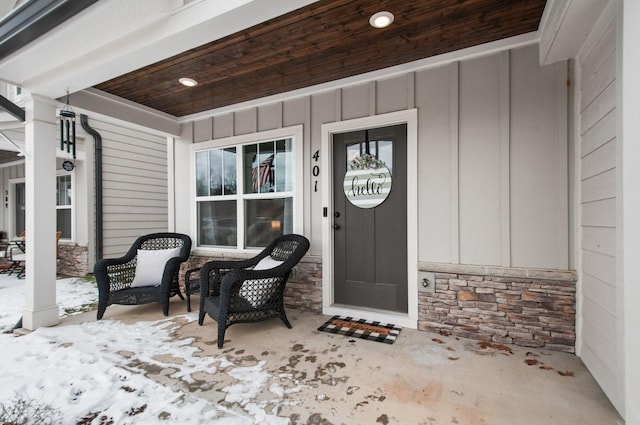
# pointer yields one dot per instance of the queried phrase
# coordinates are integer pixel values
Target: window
(245, 193)
(64, 205)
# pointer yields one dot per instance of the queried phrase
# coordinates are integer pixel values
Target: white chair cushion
(267, 263)
(150, 266)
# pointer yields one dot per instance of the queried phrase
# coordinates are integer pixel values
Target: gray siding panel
(465, 178)
(436, 112)
(479, 161)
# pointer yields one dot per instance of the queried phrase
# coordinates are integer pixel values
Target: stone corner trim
(525, 307)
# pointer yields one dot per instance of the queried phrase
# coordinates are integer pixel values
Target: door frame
(410, 118)
(12, 205)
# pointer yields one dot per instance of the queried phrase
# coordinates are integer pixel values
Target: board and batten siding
(597, 151)
(134, 185)
(492, 154)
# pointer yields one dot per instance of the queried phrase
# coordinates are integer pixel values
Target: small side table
(191, 282)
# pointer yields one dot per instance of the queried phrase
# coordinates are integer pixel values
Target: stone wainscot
(525, 307)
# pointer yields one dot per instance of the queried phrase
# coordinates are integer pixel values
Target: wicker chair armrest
(188, 273)
(170, 269)
(114, 274)
(211, 274)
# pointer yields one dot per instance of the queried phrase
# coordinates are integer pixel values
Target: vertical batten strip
(171, 183)
(454, 175)
(411, 90)
(307, 151)
(505, 160)
(373, 87)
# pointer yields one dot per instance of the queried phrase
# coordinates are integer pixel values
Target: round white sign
(367, 187)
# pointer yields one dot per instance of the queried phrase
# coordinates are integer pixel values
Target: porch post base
(32, 319)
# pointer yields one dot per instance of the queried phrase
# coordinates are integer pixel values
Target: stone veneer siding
(303, 290)
(531, 308)
(73, 260)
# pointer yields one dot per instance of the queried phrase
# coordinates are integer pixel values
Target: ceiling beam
(13, 109)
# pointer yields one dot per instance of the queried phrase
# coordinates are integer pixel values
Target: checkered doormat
(360, 328)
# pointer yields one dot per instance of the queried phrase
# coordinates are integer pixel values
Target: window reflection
(217, 223)
(267, 219)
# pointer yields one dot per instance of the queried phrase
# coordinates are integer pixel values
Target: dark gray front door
(370, 244)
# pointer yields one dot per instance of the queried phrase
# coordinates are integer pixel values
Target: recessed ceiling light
(381, 19)
(189, 82)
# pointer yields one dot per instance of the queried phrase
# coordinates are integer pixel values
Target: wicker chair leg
(221, 330)
(283, 317)
(101, 310)
(165, 309)
(201, 317)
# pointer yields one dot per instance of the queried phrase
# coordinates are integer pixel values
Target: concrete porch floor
(423, 378)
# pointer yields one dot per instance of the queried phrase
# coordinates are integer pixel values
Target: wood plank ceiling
(326, 41)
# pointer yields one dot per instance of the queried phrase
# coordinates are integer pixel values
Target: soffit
(324, 41)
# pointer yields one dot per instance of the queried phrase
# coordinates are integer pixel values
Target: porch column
(40, 217)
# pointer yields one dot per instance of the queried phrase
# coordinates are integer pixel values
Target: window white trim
(72, 207)
(295, 133)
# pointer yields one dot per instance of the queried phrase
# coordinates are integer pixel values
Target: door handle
(336, 226)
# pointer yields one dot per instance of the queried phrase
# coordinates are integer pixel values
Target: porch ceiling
(325, 41)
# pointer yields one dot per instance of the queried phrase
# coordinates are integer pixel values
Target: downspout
(84, 121)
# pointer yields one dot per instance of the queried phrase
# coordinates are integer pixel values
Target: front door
(370, 235)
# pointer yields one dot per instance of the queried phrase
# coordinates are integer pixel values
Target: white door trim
(409, 117)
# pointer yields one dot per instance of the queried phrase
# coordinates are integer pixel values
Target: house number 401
(315, 170)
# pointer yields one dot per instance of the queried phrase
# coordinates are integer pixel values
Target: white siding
(597, 150)
(134, 185)
(492, 154)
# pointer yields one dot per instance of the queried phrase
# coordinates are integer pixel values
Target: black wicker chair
(239, 292)
(115, 276)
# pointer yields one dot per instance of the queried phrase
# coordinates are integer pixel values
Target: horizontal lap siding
(134, 186)
(597, 190)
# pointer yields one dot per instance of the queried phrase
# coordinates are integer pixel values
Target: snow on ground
(73, 296)
(93, 373)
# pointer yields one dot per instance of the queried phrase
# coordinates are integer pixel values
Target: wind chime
(68, 129)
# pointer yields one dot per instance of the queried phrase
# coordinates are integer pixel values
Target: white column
(630, 145)
(40, 184)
